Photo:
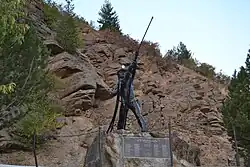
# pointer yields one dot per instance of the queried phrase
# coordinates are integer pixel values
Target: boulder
(53, 46)
(84, 85)
(8, 144)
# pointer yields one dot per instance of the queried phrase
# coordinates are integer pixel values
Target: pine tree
(69, 7)
(247, 62)
(179, 53)
(236, 108)
(67, 30)
(92, 24)
(183, 52)
(109, 18)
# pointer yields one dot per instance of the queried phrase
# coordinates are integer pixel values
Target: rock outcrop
(163, 88)
(83, 84)
(193, 98)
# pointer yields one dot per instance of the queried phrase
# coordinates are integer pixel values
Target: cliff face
(164, 88)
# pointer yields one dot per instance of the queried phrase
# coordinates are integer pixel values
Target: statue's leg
(125, 117)
(121, 119)
(134, 106)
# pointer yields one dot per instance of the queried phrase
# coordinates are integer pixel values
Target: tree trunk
(237, 157)
(248, 158)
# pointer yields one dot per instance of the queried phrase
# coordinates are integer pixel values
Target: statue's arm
(132, 67)
(131, 70)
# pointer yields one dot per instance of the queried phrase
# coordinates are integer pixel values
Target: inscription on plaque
(139, 147)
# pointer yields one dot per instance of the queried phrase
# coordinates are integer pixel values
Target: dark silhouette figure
(125, 89)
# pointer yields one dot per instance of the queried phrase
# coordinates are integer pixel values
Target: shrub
(206, 70)
(51, 15)
(40, 118)
(67, 34)
(190, 63)
(67, 29)
(25, 66)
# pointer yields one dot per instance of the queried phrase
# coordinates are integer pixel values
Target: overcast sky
(216, 31)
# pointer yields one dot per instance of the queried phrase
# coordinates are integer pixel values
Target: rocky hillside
(164, 88)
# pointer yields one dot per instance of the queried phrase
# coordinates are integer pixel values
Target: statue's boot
(136, 110)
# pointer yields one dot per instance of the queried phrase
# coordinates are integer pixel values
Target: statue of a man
(125, 84)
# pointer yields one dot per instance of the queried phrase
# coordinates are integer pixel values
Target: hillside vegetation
(23, 59)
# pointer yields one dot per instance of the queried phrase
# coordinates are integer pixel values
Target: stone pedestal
(124, 149)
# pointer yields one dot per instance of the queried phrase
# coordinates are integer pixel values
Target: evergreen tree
(67, 30)
(172, 53)
(179, 53)
(247, 62)
(69, 7)
(182, 52)
(109, 18)
(92, 24)
(236, 108)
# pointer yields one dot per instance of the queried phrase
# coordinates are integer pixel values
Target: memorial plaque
(141, 147)
(92, 156)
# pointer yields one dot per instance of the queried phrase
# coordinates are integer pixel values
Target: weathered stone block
(128, 150)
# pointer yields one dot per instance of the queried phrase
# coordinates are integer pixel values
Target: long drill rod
(143, 37)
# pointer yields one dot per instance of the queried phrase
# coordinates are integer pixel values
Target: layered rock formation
(83, 83)
(162, 87)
